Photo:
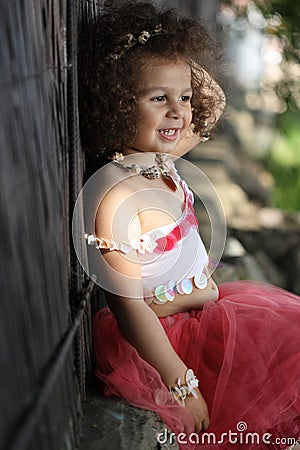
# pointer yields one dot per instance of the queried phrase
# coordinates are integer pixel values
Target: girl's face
(164, 106)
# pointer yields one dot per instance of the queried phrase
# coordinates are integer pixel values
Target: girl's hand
(199, 411)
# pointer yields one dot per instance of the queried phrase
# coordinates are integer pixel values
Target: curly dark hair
(108, 85)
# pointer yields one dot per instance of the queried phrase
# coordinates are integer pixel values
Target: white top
(170, 256)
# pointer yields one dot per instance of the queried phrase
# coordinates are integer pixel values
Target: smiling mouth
(169, 133)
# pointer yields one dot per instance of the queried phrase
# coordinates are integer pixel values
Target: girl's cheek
(189, 118)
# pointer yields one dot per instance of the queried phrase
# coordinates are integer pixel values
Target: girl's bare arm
(137, 322)
(142, 329)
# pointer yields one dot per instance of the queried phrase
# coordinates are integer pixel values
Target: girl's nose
(175, 111)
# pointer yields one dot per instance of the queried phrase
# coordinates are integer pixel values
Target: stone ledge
(112, 424)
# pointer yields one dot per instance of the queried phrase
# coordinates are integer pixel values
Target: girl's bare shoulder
(118, 205)
(115, 184)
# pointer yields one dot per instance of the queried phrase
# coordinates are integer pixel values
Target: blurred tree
(277, 88)
(288, 14)
(282, 21)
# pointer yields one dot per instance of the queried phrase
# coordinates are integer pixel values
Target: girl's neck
(145, 158)
(132, 151)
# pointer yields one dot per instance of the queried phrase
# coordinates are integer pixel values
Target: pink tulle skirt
(245, 350)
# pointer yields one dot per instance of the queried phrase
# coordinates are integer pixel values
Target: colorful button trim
(166, 292)
(200, 280)
(185, 286)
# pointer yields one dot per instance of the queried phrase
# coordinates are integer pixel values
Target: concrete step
(112, 424)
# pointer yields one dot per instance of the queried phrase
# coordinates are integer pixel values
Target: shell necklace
(165, 169)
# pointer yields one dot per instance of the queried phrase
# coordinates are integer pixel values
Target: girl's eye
(185, 98)
(159, 98)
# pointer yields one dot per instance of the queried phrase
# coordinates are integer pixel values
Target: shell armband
(180, 391)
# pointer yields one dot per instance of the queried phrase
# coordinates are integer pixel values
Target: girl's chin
(157, 147)
(167, 147)
(168, 152)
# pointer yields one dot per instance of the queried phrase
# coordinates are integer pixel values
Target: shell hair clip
(129, 40)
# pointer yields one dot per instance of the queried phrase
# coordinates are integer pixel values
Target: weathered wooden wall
(39, 167)
(45, 344)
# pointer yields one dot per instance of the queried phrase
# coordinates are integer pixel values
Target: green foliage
(283, 20)
(288, 30)
(284, 163)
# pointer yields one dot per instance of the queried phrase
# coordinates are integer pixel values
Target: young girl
(221, 360)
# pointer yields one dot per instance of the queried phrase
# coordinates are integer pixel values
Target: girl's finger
(198, 427)
(206, 423)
